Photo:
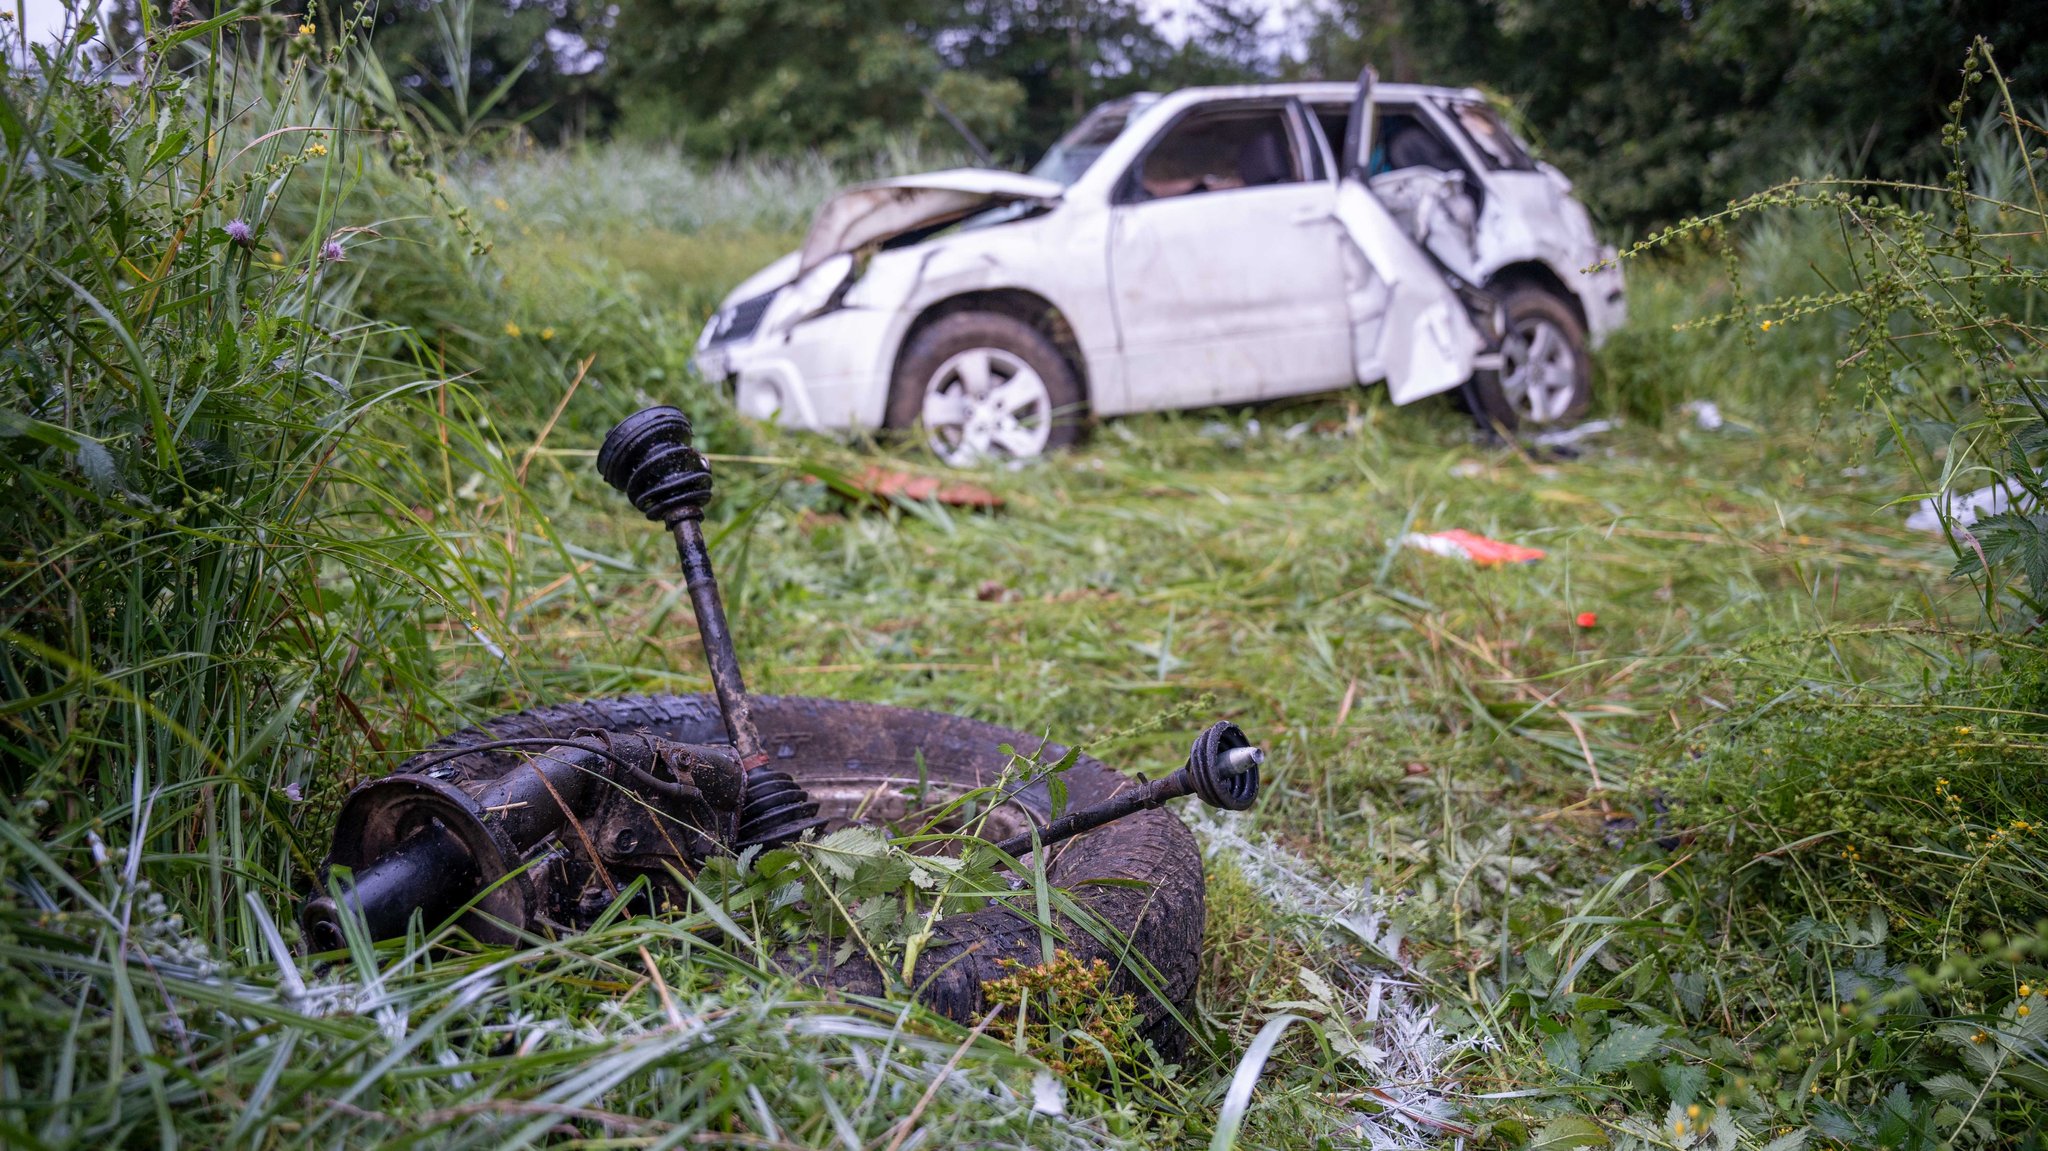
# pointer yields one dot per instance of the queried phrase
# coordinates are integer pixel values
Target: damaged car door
(1408, 326)
(1225, 272)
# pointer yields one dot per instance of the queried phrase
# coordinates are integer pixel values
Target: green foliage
(1063, 1012)
(1946, 339)
(722, 77)
(274, 522)
(1659, 110)
(466, 64)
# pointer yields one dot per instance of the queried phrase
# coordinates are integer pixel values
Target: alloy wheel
(986, 403)
(1539, 370)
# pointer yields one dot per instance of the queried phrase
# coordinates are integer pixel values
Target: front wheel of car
(1545, 377)
(985, 387)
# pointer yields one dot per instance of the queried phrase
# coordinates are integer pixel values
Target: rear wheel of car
(983, 386)
(1545, 377)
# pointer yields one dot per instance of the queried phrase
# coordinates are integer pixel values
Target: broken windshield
(1077, 151)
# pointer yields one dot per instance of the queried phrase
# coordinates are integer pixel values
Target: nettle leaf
(1317, 987)
(1682, 1083)
(1831, 1122)
(1562, 1051)
(1691, 987)
(1790, 1141)
(1951, 1086)
(2010, 537)
(929, 871)
(1568, 1131)
(1626, 1045)
(843, 851)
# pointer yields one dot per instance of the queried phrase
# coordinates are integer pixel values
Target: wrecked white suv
(1211, 246)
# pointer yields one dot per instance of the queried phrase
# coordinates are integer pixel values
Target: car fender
(1529, 220)
(1048, 258)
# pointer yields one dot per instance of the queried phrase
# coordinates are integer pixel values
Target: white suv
(1211, 246)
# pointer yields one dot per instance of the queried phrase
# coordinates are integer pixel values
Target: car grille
(740, 321)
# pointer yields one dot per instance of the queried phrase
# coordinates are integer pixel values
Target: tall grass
(272, 522)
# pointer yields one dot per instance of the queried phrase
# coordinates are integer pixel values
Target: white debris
(1966, 508)
(1565, 437)
(1048, 1094)
(1407, 1052)
(1705, 413)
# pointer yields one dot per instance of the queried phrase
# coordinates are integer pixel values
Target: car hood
(870, 213)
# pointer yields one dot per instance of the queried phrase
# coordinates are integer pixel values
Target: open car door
(1407, 325)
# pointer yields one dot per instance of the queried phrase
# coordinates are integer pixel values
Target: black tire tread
(1161, 923)
(949, 335)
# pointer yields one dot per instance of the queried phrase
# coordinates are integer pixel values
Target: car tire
(1545, 378)
(1139, 878)
(984, 386)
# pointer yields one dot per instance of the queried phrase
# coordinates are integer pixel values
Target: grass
(1750, 843)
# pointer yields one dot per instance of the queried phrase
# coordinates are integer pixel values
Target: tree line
(1656, 108)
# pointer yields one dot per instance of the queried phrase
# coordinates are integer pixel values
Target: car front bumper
(827, 373)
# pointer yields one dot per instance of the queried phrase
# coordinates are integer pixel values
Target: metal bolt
(1239, 760)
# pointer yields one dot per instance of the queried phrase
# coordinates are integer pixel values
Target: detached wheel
(1139, 879)
(983, 386)
(1545, 377)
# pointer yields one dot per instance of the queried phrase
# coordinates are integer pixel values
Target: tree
(1662, 108)
(724, 76)
(1064, 55)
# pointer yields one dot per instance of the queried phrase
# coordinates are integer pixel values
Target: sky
(40, 17)
(44, 17)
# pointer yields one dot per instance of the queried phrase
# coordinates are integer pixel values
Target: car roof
(1328, 91)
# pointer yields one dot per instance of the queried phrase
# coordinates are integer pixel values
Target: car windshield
(1078, 150)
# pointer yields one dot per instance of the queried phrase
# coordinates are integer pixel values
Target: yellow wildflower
(1766, 325)
(547, 333)
(316, 149)
(2023, 1011)
(511, 329)
(1692, 1112)
(1979, 1037)
(1678, 1128)
(1963, 730)
(2026, 991)
(306, 29)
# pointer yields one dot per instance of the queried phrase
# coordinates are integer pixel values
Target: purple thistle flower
(240, 234)
(332, 253)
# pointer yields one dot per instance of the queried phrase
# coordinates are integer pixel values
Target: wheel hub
(1539, 370)
(986, 403)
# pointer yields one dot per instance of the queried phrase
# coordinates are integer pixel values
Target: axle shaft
(1222, 768)
(649, 457)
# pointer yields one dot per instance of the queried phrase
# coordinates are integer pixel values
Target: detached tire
(1545, 378)
(1141, 875)
(982, 386)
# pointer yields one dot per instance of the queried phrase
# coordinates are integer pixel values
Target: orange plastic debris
(1461, 544)
(885, 484)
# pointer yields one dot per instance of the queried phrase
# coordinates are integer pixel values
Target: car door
(1408, 326)
(1225, 269)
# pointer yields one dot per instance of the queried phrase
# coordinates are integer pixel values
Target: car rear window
(1497, 146)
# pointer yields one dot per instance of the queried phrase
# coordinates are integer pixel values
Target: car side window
(1496, 144)
(1335, 121)
(1215, 151)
